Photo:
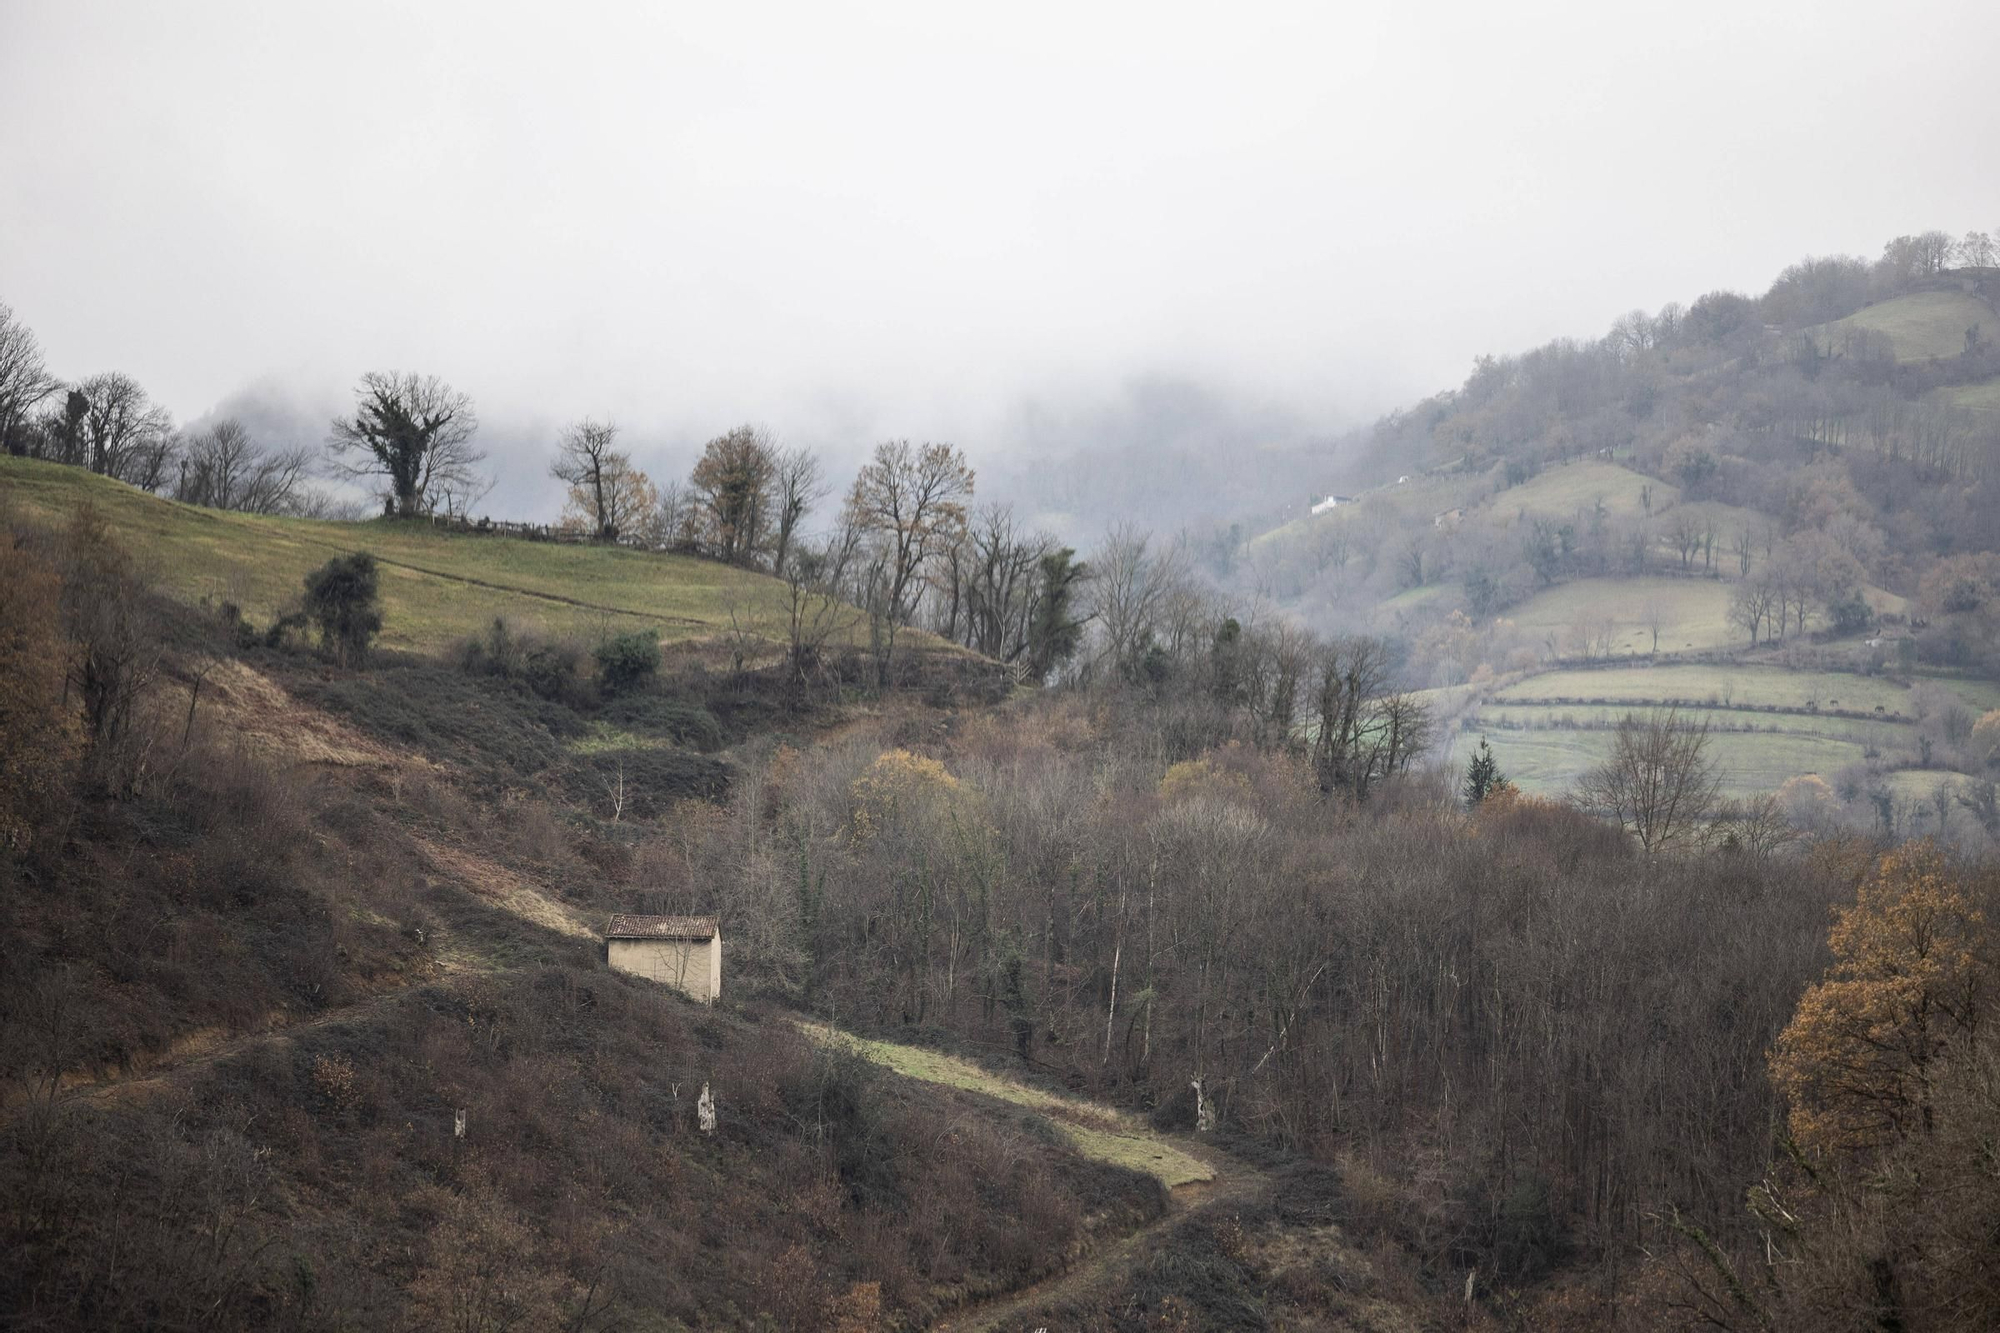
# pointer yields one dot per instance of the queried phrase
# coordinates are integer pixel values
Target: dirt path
(1234, 1184)
(189, 1056)
(1198, 1176)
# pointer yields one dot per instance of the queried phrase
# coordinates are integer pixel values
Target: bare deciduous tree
(24, 381)
(416, 431)
(675, 516)
(128, 436)
(115, 648)
(224, 468)
(799, 485)
(816, 610)
(1653, 614)
(583, 455)
(1132, 586)
(911, 503)
(1658, 780)
(605, 490)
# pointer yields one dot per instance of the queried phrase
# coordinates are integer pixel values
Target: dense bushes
(343, 599)
(678, 720)
(627, 661)
(549, 668)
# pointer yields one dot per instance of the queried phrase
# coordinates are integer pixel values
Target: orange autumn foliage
(1913, 960)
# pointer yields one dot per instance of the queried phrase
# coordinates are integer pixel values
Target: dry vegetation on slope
(245, 1000)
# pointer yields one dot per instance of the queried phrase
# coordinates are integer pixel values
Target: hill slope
(1920, 325)
(438, 587)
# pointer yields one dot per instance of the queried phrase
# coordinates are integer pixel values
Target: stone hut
(684, 952)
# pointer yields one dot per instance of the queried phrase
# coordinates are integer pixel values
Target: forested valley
(310, 828)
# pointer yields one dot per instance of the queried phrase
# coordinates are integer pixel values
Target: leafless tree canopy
(588, 461)
(800, 483)
(416, 432)
(24, 380)
(224, 468)
(910, 501)
(1135, 584)
(1658, 781)
(125, 434)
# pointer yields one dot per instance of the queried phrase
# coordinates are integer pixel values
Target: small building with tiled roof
(684, 952)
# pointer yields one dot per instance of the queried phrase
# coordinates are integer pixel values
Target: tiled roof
(625, 926)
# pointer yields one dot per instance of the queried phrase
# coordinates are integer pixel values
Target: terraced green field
(1550, 762)
(1755, 686)
(1767, 723)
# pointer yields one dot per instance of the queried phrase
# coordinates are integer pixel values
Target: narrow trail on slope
(1199, 1177)
(164, 1069)
(1234, 1184)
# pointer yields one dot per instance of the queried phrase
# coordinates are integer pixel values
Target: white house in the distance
(1332, 502)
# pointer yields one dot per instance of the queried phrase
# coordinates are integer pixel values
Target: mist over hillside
(778, 668)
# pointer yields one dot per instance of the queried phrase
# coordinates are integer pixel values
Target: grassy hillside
(1920, 325)
(1549, 762)
(1768, 723)
(1744, 686)
(346, 910)
(1560, 492)
(1974, 397)
(437, 587)
(1694, 613)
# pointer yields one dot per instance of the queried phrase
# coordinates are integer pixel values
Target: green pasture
(1753, 685)
(1550, 762)
(1921, 325)
(437, 587)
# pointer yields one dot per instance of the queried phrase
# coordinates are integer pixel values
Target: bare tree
(1348, 685)
(675, 515)
(24, 381)
(224, 468)
(1652, 614)
(1685, 532)
(416, 431)
(1750, 605)
(1132, 586)
(911, 501)
(995, 583)
(816, 611)
(799, 484)
(595, 470)
(128, 436)
(1658, 781)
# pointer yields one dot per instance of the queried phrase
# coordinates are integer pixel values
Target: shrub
(628, 660)
(551, 668)
(343, 598)
(678, 720)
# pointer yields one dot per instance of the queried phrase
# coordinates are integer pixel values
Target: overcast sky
(849, 221)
